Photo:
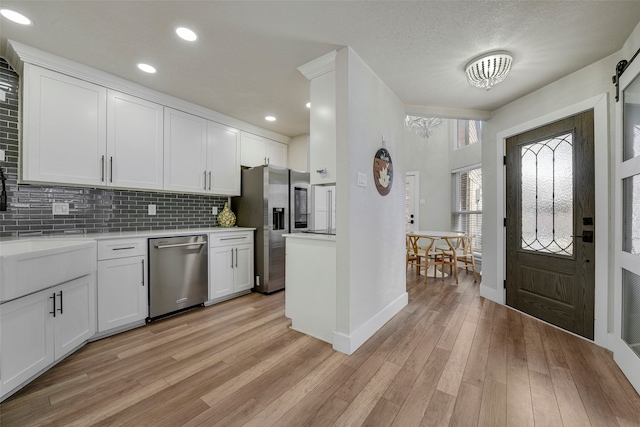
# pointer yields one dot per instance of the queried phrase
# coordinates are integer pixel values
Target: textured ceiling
(245, 62)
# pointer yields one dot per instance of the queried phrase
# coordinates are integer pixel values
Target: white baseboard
(627, 360)
(350, 343)
(495, 295)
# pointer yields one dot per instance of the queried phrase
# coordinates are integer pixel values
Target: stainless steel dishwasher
(178, 274)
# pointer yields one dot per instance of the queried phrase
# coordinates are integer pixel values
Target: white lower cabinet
(230, 263)
(122, 283)
(40, 328)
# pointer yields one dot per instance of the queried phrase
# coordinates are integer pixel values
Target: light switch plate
(2, 156)
(362, 179)
(60, 208)
(214, 210)
(152, 209)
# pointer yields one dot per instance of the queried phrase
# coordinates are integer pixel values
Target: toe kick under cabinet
(230, 264)
(122, 284)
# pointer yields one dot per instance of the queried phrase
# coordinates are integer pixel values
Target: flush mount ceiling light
(423, 126)
(489, 69)
(16, 17)
(186, 34)
(270, 118)
(147, 68)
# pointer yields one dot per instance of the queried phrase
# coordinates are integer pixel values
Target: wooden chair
(466, 256)
(433, 257)
(414, 254)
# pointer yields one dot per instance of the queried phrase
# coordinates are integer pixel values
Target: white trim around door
(601, 128)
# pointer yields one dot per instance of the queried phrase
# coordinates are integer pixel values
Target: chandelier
(423, 126)
(488, 70)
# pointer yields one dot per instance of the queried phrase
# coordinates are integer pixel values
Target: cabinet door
(243, 267)
(134, 142)
(26, 339)
(276, 153)
(223, 160)
(185, 152)
(252, 151)
(221, 271)
(64, 129)
(122, 292)
(75, 320)
(322, 121)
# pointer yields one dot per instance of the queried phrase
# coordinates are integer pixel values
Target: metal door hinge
(504, 160)
(504, 222)
(504, 284)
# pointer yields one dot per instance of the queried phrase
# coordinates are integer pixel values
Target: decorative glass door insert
(547, 195)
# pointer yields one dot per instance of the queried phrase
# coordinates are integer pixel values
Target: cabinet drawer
(230, 238)
(120, 248)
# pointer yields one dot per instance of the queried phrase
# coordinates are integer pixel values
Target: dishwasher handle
(176, 245)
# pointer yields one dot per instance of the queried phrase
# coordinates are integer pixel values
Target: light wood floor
(449, 358)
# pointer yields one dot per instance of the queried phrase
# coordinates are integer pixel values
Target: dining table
(448, 237)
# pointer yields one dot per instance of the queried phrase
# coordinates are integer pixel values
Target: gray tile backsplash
(91, 210)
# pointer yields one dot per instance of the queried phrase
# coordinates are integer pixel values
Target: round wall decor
(383, 171)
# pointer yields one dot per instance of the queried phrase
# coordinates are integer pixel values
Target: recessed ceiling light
(186, 34)
(147, 68)
(308, 104)
(16, 17)
(270, 119)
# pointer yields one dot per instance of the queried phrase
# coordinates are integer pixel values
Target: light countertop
(311, 236)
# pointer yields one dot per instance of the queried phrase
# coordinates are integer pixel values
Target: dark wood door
(550, 223)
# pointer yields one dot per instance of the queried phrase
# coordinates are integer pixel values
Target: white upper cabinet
(322, 119)
(185, 152)
(200, 156)
(223, 159)
(257, 151)
(65, 128)
(134, 142)
(81, 133)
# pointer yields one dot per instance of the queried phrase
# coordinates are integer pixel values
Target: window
(469, 132)
(466, 212)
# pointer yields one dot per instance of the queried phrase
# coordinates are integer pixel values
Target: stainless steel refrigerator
(275, 201)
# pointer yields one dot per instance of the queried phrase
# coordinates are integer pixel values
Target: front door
(550, 223)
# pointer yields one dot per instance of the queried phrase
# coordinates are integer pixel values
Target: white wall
(298, 153)
(435, 158)
(430, 157)
(370, 242)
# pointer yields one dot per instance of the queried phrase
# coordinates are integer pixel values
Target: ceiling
(245, 62)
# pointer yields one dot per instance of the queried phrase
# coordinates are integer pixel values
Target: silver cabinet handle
(102, 169)
(181, 244)
(234, 238)
(110, 169)
(268, 160)
(236, 257)
(60, 302)
(209, 180)
(205, 180)
(143, 273)
(122, 249)
(53, 297)
(231, 257)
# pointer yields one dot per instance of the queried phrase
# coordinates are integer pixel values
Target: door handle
(143, 273)
(205, 180)
(586, 236)
(236, 257)
(231, 257)
(110, 169)
(60, 302)
(177, 245)
(102, 169)
(209, 180)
